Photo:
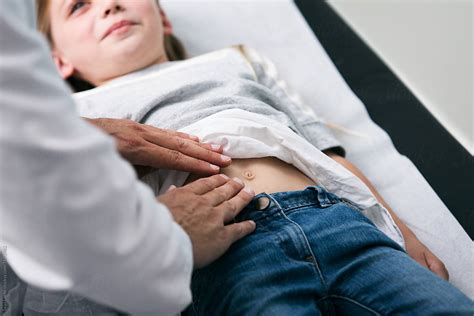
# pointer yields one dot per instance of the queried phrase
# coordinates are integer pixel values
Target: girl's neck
(162, 59)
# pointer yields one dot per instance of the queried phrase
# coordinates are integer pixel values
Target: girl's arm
(415, 248)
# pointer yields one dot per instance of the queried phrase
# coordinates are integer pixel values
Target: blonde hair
(173, 47)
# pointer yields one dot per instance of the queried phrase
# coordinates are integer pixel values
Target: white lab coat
(73, 215)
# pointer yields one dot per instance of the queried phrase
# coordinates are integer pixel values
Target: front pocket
(14, 297)
(39, 302)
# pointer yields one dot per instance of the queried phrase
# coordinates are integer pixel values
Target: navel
(249, 175)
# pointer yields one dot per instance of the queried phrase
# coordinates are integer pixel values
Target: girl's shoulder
(250, 54)
(260, 63)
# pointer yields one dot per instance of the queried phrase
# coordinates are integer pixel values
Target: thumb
(171, 188)
(239, 230)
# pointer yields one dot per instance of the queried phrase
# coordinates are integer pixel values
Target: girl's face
(98, 40)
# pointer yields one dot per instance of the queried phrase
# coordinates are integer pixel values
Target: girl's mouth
(119, 27)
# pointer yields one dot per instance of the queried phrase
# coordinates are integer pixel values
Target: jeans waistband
(264, 204)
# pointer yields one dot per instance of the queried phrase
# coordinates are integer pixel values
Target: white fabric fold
(249, 135)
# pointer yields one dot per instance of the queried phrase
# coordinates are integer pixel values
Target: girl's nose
(112, 7)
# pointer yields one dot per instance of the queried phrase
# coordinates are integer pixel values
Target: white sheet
(277, 29)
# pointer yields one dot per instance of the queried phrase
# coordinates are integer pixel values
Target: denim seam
(276, 238)
(6, 302)
(76, 299)
(352, 301)
(4, 280)
(299, 206)
(60, 306)
(351, 205)
(315, 262)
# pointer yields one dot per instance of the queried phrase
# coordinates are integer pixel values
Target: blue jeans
(20, 299)
(314, 254)
(12, 289)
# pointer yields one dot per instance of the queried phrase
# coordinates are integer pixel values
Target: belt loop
(324, 197)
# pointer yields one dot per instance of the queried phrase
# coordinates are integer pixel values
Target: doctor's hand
(203, 208)
(148, 147)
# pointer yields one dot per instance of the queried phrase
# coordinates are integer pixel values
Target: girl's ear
(65, 68)
(167, 27)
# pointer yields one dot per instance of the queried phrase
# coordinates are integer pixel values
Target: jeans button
(262, 203)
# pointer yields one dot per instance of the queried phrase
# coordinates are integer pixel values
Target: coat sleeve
(73, 215)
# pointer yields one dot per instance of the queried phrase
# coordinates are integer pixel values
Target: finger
(156, 130)
(163, 158)
(213, 147)
(190, 149)
(225, 191)
(170, 133)
(171, 188)
(239, 230)
(435, 265)
(211, 153)
(204, 185)
(188, 136)
(231, 208)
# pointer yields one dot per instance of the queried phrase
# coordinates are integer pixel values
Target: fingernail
(224, 176)
(238, 180)
(253, 224)
(194, 138)
(215, 147)
(214, 167)
(249, 190)
(225, 158)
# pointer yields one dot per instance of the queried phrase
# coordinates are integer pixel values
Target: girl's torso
(267, 174)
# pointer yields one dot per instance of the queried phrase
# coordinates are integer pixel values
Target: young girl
(325, 241)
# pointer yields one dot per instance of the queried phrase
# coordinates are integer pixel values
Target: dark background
(444, 163)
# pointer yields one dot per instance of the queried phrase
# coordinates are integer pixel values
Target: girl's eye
(76, 6)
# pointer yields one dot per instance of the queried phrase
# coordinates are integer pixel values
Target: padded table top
(445, 163)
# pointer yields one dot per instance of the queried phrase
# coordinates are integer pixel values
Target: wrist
(407, 232)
